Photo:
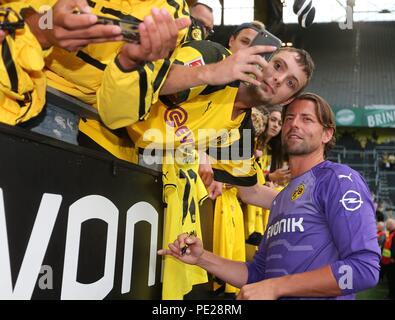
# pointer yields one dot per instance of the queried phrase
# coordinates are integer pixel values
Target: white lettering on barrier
(141, 211)
(89, 207)
(35, 251)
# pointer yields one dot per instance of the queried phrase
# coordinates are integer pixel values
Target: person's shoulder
(329, 171)
(332, 168)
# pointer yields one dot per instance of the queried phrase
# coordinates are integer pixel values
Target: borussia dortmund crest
(298, 192)
(196, 34)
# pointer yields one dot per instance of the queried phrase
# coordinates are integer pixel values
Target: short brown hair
(304, 60)
(324, 115)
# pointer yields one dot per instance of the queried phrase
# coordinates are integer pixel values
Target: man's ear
(231, 40)
(327, 135)
(287, 102)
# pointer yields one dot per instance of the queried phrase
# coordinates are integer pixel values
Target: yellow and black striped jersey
(200, 116)
(183, 193)
(81, 74)
(255, 217)
(228, 233)
(196, 116)
(232, 158)
(22, 80)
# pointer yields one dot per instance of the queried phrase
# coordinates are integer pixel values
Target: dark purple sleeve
(349, 211)
(256, 268)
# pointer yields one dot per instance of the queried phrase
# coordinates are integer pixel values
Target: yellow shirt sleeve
(22, 81)
(126, 97)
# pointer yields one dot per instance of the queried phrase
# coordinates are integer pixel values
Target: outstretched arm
(234, 67)
(71, 31)
(317, 283)
(257, 195)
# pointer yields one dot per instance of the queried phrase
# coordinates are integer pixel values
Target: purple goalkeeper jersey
(323, 217)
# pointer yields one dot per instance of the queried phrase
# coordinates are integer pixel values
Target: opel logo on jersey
(298, 192)
(351, 200)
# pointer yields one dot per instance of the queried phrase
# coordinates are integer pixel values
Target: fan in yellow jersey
(80, 73)
(210, 111)
(204, 113)
(22, 82)
(183, 193)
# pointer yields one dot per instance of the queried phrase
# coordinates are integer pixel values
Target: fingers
(99, 32)
(163, 252)
(260, 49)
(182, 23)
(2, 35)
(216, 193)
(82, 5)
(163, 23)
(153, 34)
(215, 190)
(72, 21)
(162, 34)
(75, 45)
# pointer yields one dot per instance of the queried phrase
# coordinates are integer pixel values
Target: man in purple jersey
(321, 237)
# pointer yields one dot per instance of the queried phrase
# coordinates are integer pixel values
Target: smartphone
(130, 29)
(265, 38)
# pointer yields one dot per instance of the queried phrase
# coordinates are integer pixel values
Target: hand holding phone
(265, 38)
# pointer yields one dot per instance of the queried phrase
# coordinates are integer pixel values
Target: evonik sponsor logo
(289, 225)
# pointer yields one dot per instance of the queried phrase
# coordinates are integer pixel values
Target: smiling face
(302, 132)
(242, 40)
(281, 80)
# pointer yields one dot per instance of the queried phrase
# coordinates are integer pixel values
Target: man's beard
(297, 149)
(257, 96)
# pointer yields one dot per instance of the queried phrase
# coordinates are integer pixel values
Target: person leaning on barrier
(321, 240)
(22, 96)
(200, 80)
(80, 73)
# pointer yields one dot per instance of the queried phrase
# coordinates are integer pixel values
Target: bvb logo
(298, 192)
(196, 34)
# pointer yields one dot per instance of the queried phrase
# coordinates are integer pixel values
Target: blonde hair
(259, 121)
